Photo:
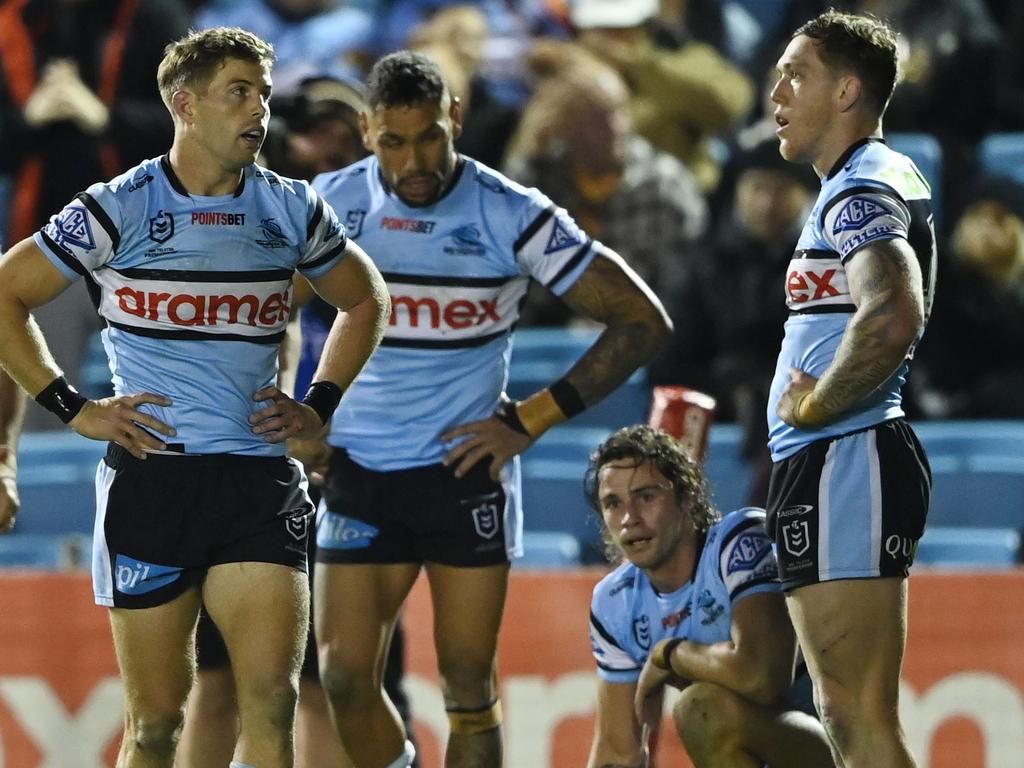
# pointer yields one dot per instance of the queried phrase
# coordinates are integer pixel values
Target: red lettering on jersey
(412, 306)
(234, 304)
(137, 298)
(457, 314)
(197, 303)
(488, 310)
(800, 290)
(192, 309)
(796, 286)
(823, 284)
(460, 313)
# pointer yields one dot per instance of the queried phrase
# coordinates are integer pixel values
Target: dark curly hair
(641, 443)
(404, 78)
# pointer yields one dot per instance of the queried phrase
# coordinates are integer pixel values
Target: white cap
(611, 13)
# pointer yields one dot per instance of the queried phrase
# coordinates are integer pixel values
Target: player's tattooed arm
(637, 325)
(887, 288)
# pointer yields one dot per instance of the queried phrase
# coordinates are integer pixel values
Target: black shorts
(423, 514)
(162, 522)
(850, 507)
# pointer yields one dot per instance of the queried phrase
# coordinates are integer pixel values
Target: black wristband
(506, 413)
(567, 397)
(61, 399)
(323, 397)
(664, 659)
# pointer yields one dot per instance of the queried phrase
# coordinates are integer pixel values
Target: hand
(489, 437)
(118, 420)
(650, 690)
(791, 407)
(283, 417)
(314, 453)
(9, 502)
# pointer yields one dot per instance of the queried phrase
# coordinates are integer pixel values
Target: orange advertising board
(962, 691)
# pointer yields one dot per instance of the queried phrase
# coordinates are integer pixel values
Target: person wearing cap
(696, 605)
(680, 98)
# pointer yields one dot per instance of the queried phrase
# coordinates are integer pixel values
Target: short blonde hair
(193, 60)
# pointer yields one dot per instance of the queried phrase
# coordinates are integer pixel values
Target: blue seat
(40, 550)
(926, 152)
(56, 479)
(549, 550)
(965, 547)
(1002, 154)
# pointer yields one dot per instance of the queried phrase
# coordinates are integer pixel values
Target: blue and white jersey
(195, 291)
(457, 272)
(628, 616)
(871, 194)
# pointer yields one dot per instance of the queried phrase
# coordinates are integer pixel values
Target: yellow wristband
(807, 414)
(539, 412)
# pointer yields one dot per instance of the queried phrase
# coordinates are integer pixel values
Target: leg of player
(852, 633)
(723, 730)
(262, 610)
(156, 656)
(211, 721)
(468, 605)
(355, 609)
(316, 742)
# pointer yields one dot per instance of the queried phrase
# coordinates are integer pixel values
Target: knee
(708, 718)
(155, 735)
(346, 685)
(271, 701)
(845, 713)
(468, 682)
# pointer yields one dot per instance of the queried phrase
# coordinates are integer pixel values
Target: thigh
(156, 654)
(211, 653)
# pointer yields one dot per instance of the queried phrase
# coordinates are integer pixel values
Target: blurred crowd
(649, 121)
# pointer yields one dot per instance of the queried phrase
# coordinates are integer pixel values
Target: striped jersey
(628, 616)
(195, 290)
(871, 194)
(457, 271)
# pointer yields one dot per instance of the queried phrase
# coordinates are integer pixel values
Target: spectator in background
(970, 360)
(576, 141)
(727, 316)
(681, 98)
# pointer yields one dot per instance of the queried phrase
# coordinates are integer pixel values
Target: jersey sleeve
(864, 214)
(614, 663)
(746, 559)
(325, 238)
(85, 235)
(550, 246)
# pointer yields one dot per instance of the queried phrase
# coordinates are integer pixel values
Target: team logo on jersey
(135, 577)
(273, 235)
(161, 227)
(339, 532)
(72, 228)
(642, 632)
(711, 607)
(561, 238)
(354, 222)
(467, 241)
(796, 537)
(857, 212)
(747, 550)
(485, 520)
(140, 179)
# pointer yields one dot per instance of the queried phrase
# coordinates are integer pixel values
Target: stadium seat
(549, 550)
(46, 551)
(56, 479)
(1002, 154)
(926, 152)
(965, 547)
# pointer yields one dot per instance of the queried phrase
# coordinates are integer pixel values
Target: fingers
(270, 393)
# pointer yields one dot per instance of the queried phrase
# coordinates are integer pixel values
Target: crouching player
(697, 605)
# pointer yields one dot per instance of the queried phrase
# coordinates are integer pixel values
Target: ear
(849, 92)
(455, 113)
(182, 103)
(364, 130)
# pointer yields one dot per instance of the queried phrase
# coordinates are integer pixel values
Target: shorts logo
(642, 632)
(339, 532)
(561, 238)
(72, 228)
(135, 577)
(748, 549)
(900, 547)
(161, 227)
(297, 524)
(796, 537)
(796, 510)
(485, 520)
(354, 222)
(856, 213)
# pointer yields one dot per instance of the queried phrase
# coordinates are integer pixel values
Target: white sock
(240, 765)
(405, 759)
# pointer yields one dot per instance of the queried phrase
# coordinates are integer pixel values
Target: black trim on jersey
(318, 214)
(321, 260)
(63, 255)
(101, 216)
(849, 153)
(571, 264)
(177, 186)
(476, 341)
(880, 188)
(815, 253)
(827, 309)
(750, 523)
(752, 583)
(207, 276)
(160, 333)
(606, 668)
(596, 624)
(461, 282)
(535, 225)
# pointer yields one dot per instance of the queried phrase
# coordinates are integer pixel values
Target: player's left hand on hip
(489, 437)
(283, 417)
(794, 407)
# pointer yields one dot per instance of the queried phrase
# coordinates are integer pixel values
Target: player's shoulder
(133, 185)
(875, 165)
(733, 523)
(498, 190)
(617, 587)
(352, 179)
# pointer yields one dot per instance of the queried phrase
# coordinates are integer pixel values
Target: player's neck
(834, 146)
(201, 174)
(677, 569)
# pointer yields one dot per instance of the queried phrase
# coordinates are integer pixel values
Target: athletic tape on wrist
(323, 397)
(662, 659)
(61, 399)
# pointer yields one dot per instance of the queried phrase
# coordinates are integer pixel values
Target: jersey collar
(843, 158)
(177, 186)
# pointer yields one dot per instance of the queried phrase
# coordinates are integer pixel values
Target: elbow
(765, 689)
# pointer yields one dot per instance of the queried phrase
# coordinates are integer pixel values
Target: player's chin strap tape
(476, 720)
(62, 399)
(323, 397)
(538, 413)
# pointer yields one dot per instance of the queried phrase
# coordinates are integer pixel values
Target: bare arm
(12, 410)
(756, 662)
(617, 741)
(887, 288)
